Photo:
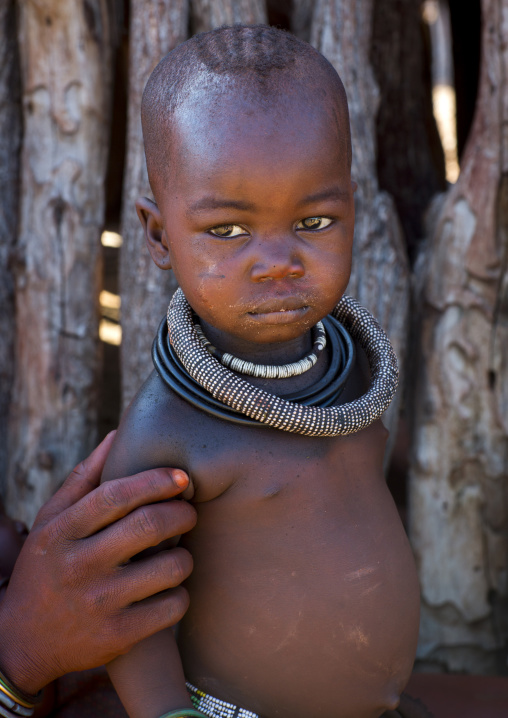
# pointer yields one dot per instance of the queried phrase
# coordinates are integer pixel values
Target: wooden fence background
(70, 72)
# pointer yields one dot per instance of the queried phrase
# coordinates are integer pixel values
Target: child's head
(248, 151)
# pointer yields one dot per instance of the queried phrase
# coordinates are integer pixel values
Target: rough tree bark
(207, 14)
(301, 18)
(410, 159)
(341, 30)
(65, 59)
(458, 491)
(10, 138)
(156, 28)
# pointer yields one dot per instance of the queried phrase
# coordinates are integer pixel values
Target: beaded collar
(225, 394)
(268, 371)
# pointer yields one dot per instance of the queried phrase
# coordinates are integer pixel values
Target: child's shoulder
(150, 432)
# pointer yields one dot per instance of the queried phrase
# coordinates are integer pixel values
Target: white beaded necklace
(233, 391)
(268, 371)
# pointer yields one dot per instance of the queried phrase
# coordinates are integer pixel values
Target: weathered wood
(208, 14)
(10, 139)
(341, 30)
(301, 18)
(458, 489)
(155, 29)
(65, 58)
(410, 160)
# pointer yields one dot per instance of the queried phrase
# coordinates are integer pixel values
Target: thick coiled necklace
(188, 368)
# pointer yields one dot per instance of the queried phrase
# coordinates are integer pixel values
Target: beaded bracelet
(184, 713)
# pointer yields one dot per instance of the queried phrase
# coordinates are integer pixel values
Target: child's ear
(155, 235)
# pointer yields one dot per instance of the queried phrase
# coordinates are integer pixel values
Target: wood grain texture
(410, 159)
(65, 57)
(341, 30)
(208, 14)
(458, 488)
(10, 140)
(155, 29)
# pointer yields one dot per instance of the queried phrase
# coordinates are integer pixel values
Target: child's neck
(274, 353)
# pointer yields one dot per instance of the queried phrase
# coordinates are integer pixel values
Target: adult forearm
(20, 664)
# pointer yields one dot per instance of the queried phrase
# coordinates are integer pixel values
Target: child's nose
(276, 259)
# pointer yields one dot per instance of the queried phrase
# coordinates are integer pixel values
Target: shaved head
(264, 65)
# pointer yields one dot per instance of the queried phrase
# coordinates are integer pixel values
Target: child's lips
(280, 313)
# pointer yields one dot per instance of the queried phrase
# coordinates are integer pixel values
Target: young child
(304, 600)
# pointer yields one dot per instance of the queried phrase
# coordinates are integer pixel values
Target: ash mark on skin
(360, 573)
(371, 588)
(292, 633)
(358, 637)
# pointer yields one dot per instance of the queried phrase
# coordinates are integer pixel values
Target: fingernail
(180, 478)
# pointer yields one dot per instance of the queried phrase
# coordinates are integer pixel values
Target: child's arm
(149, 678)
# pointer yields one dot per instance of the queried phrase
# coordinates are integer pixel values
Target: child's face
(257, 217)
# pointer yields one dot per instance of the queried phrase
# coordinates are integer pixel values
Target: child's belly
(304, 596)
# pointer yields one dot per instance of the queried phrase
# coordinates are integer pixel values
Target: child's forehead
(230, 117)
(253, 159)
(222, 117)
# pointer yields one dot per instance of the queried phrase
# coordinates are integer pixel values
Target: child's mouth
(278, 315)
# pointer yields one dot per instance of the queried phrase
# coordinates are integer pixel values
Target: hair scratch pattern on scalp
(264, 61)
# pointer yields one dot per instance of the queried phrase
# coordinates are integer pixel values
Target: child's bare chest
(299, 560)
(263, 464)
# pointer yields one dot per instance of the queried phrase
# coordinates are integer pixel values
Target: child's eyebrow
(208, 203)
(333, 193)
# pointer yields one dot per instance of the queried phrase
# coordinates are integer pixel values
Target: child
(304, 598)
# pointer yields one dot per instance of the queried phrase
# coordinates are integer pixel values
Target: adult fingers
(153, 614)
(83, 478)
(114, 499)
(149, 576)
(143, 528)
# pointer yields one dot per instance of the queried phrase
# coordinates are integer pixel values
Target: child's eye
(227, 230)
(314, 223)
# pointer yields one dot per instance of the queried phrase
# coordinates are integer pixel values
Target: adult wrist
(15, 702)
(16, 663)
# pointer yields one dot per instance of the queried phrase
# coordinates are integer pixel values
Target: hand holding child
(74, 601)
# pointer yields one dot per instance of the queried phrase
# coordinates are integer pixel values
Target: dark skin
(304, 597)
(73, 600)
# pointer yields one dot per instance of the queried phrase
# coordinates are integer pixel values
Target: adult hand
(74, 600)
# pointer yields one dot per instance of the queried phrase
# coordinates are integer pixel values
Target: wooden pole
(410, 159)
(65, 57)
(208, 14)
(10, 141)
(156, 28)
(458, 489)
(341, 30)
